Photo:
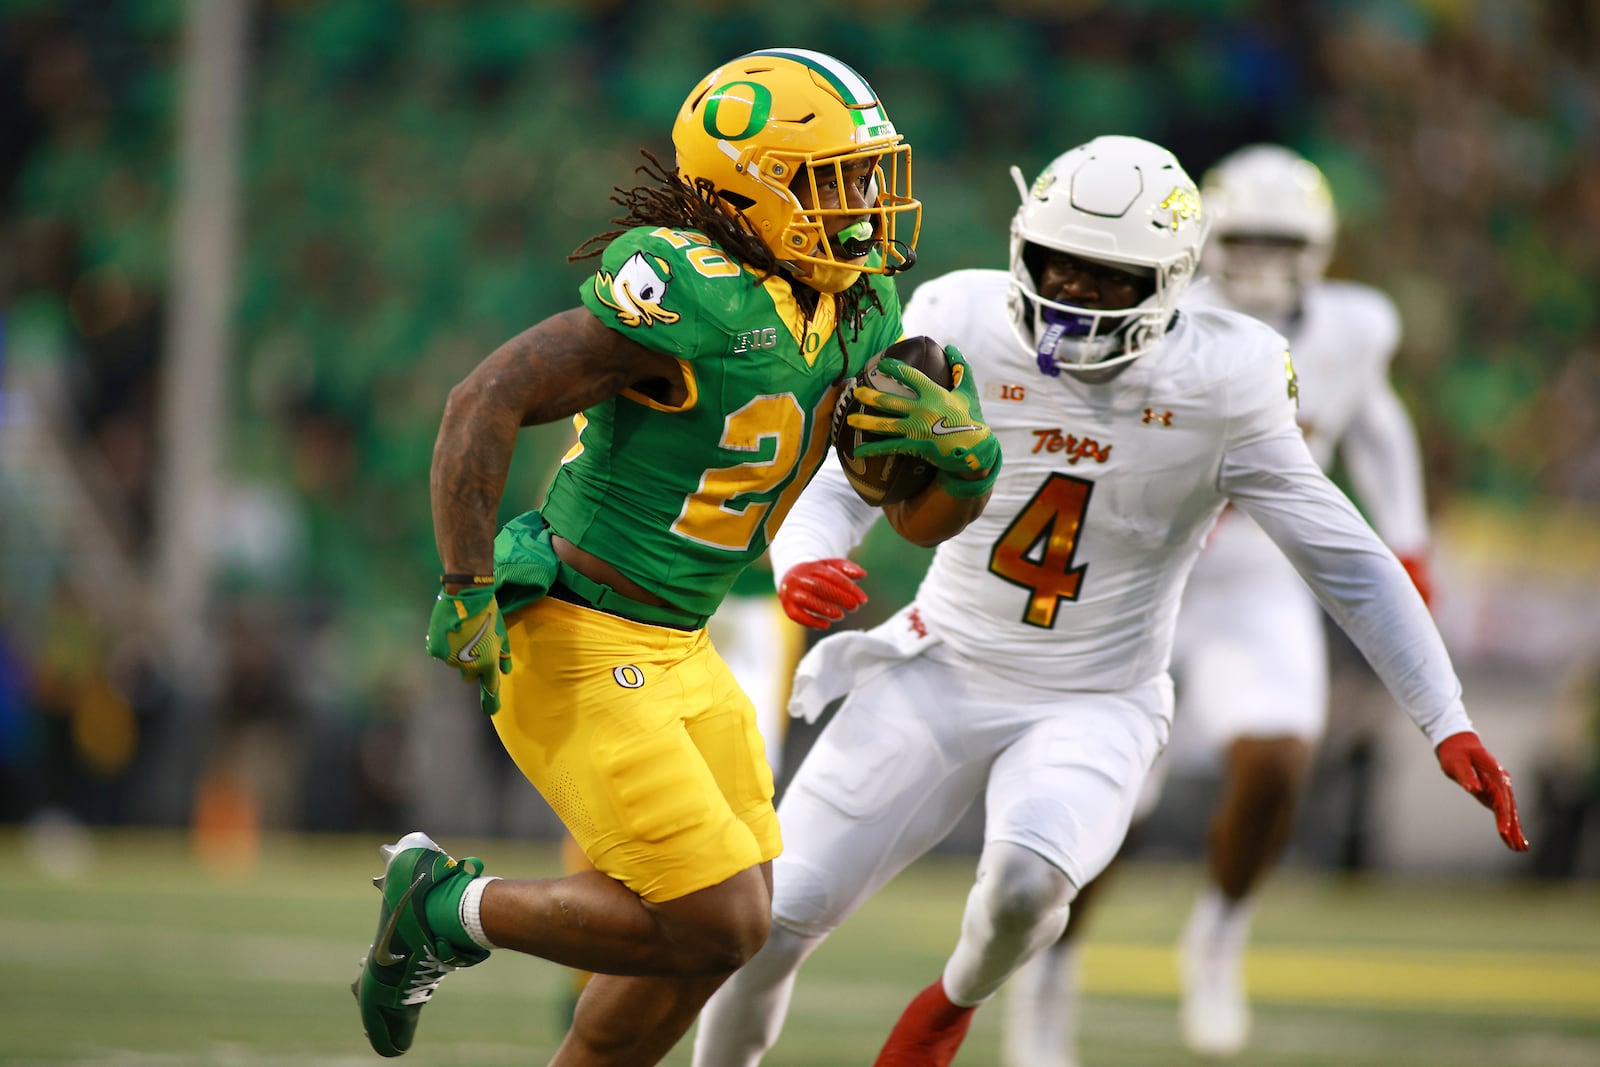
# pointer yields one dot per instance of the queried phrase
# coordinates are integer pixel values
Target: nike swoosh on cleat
(380, 947)
(941, 428)
(466, 655)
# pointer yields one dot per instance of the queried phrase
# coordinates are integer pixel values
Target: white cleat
(1215, 1013)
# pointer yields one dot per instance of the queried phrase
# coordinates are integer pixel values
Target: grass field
(147, 961)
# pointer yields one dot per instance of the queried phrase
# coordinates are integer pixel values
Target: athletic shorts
(642, 742)
(1250, 659)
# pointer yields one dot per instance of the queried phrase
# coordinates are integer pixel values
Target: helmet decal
(852, 88)
(758, 105)
(1184, 205)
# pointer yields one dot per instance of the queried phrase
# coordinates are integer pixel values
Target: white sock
(472, 910)
(1220, 921)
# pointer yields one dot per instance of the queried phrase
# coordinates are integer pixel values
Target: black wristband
(466, 579)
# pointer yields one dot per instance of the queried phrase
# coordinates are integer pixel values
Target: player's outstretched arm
(1381, 453)
(1465, 761)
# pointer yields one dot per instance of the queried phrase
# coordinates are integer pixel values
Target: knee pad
(1017, 887)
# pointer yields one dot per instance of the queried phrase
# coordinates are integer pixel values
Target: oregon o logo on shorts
(629, 677)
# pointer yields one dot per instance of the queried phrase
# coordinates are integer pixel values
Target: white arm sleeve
(1380, 450)
(1353, 574)
(828, 521)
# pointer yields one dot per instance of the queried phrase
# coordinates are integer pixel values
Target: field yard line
(1526, 983)
(150, 952)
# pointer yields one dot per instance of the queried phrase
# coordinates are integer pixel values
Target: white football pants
(911, 747)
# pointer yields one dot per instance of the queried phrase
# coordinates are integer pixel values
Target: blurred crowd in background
(413, 177)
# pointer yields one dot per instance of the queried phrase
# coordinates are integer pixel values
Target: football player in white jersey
(1031, 667)
(1249, 655)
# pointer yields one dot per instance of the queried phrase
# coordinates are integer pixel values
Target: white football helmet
(1273, 225)
(1120, 201)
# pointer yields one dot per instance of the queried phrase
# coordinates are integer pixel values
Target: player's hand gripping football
(944, 427)
(1464, 759)
(467, 632)
(819, 592)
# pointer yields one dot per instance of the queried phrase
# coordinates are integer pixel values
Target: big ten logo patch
(1002, 391)
(752, 340)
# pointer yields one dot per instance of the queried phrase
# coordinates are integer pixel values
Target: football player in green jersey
(701, 373)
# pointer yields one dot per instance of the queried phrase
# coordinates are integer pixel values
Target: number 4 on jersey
(1037, 548)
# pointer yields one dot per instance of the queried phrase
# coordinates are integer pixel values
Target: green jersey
(681, 498)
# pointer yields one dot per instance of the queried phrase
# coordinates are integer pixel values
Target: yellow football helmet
(755, 125)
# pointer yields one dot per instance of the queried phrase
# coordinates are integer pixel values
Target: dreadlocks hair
(667, 200)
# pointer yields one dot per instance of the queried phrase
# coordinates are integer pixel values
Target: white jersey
(1343, 341)
(1071, 578)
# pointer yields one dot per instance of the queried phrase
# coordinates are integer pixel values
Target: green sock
(443, 906)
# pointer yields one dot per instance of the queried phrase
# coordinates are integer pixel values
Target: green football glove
(467, 632)
(941, 426)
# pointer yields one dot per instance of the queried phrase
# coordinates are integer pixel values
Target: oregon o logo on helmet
(628, 676)
(760, 111)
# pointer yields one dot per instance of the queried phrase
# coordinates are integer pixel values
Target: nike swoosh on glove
(944, 427)
(819, 592)
(467, 631)
(1464, 759)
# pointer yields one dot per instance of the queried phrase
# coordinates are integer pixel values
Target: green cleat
(407, 959)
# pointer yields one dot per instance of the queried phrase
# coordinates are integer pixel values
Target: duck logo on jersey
(637, 290)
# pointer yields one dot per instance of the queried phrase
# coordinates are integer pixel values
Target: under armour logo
(1164, 418)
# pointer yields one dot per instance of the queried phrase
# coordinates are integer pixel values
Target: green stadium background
(247, 246)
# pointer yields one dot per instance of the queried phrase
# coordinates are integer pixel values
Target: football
(891, 478)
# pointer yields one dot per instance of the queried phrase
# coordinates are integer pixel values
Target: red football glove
(1464, 759)
(1421, 575)
(817, 594)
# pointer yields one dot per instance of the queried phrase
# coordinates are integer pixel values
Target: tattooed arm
(550, 371)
